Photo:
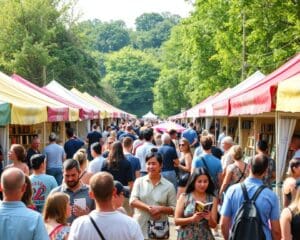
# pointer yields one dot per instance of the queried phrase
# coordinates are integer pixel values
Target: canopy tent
(288, 95)
(206, 109)
(26, 106)
(56, 110)
(149, 115)
(193, 112)
(178, 116)
(201, 106)
(90, 99)
(118, 113)
(221, 106)
(73, 108)
(4, 113)
(260, 97)
(90, 111)
(288, 100)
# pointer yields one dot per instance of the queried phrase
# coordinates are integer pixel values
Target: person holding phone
(78, 192)
(196, 224)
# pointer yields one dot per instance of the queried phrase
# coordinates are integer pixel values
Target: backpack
(247, 222)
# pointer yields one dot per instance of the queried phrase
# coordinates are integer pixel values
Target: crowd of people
(125, 183)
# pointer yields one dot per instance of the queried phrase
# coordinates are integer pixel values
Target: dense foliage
(166, 63)
(221, 43)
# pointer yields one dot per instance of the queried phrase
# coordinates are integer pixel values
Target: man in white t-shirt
(111, 223)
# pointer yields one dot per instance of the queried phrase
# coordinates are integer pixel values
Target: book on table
(203, 207)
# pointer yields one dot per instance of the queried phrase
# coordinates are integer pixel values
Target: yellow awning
(105, 113)
(288, 95)
(30, 106)
(102, 113)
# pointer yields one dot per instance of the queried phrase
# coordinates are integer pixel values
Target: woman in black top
(290, 218)
(118, 166)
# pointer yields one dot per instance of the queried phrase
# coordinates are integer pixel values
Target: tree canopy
(166, 64)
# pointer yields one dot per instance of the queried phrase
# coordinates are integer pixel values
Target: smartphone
(80, 202)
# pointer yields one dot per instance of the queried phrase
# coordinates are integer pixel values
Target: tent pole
(254, 134)
(240, 132)
(277, 153)
(44, 134)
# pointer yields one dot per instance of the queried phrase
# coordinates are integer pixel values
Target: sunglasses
(181, 145)
(110, 142)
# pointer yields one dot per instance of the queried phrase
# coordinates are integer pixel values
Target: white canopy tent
(149, 115)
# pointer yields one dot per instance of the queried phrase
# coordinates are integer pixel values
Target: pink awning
(201, 106)
(54, 113)
(260, 97)
(221, 107)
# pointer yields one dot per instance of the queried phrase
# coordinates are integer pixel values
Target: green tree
(26, 37)
(148, 21)
(132, 73)
(169, 89)
(153, 29)
(112, 37)
(34, 40)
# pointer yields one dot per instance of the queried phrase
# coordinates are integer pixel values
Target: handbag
(159, 229)
(183, 178)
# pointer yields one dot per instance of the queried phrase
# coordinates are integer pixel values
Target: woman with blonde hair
(289, 184)
(17, 155)
(235, 172)
(56, 212)
(185, 165)
(81, 157)
(290, 218)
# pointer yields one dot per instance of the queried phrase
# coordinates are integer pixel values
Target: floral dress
(60, 232)
(194, 231)
(238, 175)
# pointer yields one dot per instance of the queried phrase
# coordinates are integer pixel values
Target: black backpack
(247, 222)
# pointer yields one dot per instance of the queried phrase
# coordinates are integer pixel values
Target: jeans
(171, 176)
(56, 173)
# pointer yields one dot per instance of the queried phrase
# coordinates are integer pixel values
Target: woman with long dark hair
(196, 209)
(118, 166)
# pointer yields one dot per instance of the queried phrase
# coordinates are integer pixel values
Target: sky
(129, 10)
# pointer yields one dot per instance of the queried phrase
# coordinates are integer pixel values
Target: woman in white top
(153, 197)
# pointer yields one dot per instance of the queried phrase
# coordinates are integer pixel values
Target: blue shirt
(135, 163)
(190, 135)
(267, 203)
(19, 222)
(55, 155)
(213, 164)
(142, 152)
(72, 145)
(169, 154)
(42, 185)
(198, 152)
